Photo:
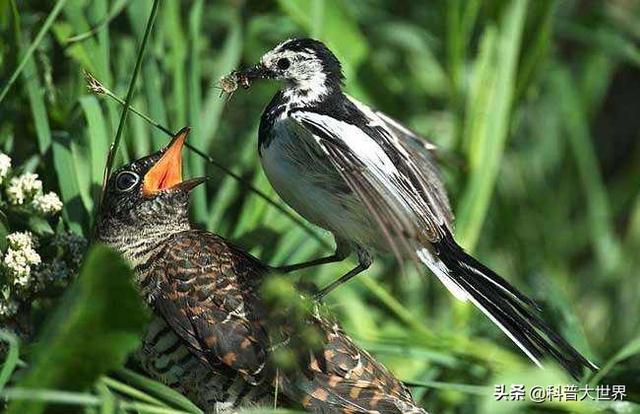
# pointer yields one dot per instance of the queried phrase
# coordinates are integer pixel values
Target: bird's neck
(309, 92)
(137, 245)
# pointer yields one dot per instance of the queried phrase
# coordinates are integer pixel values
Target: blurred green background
(534, 106)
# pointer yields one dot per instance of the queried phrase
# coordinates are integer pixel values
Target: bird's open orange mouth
(167, 172)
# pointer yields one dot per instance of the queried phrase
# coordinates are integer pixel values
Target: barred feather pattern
(210, 342)
(165, 357)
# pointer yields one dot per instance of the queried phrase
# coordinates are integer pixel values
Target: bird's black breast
(333, 104)
(271, 113)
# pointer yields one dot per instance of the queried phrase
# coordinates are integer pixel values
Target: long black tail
(512, 311)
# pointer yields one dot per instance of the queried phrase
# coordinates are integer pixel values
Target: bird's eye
(126, 180)
(283, 63)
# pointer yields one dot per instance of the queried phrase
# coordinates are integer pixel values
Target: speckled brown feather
(347, 379)
(207, 291)
(215, 337)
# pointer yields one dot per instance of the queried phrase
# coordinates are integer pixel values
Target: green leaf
(158, 390)
(75, 211)
(76, 52)
(196, 163)
(32, 47)
(529, 378)
(93, 330)
(488, 125)
(98, 136)
(39, 225)
(151, 73)
(597, 200)
(90, 52)
(629, 350)
(12, 358)
(34, 91)
(226, 60)
(113, 151)
(38, 109)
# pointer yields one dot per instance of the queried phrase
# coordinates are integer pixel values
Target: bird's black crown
(330, 63)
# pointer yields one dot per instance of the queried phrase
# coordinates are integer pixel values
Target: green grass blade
(98, 136)
(460, 24)
(82, 168)
(448, 386)
(132, 392)
(489, 134)
(117, 8)
(32, 47)
(227, 60)
(151, 72)
(38, 108)
(92, 52)
(74, 211)
(12, 358)
(125, 110)
(30, 397)
(534, 55)
(629, 350)
(34, 89)
(577, 130)
(176, 59)
(196, 163)
(158, 390)
(108, 399)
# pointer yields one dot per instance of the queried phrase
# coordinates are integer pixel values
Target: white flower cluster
(27, 276)
(47, 204)
(8, 308)
(5, 166)
(20, 240)
(26, 189)
(20, 258)
(23, 188)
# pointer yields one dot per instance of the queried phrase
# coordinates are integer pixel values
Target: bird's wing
(418, 147)
(382, 174)
(400, 197)
(202, 299)
(403, 133)
(207, 296)
(345, 378)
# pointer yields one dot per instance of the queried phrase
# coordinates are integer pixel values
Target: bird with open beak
(210, 338)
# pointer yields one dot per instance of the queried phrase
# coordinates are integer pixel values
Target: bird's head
(308, 68)
(148, 195)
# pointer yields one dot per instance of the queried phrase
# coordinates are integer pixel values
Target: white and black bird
(374, 185)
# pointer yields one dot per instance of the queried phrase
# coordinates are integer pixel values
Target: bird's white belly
(310, 185)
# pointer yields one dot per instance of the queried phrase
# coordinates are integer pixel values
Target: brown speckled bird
(210, 339)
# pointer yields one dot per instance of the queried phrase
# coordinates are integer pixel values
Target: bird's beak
(259, 71)
(167, 171)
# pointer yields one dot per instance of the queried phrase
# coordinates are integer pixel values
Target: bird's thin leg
(311, 263)
(364, 262)
(343, 250)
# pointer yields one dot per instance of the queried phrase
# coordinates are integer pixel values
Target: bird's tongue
(167, 172)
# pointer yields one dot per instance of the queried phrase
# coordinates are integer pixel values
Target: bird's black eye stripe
(283, 63)
(126, 180)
